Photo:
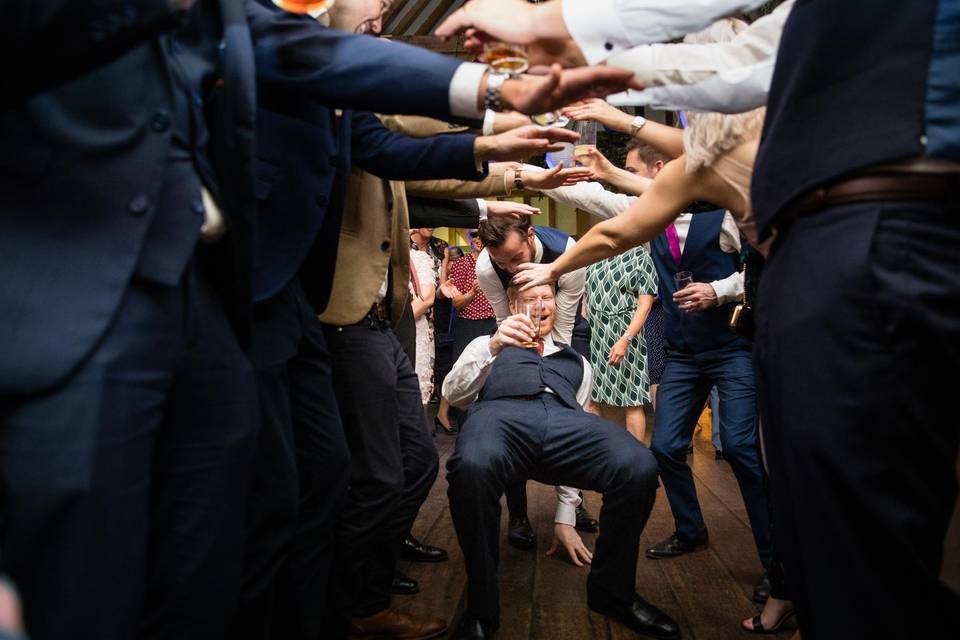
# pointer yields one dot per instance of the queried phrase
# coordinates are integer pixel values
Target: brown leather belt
(868, 188)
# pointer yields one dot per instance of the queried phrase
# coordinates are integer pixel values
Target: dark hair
(647, 153)
(495, 231)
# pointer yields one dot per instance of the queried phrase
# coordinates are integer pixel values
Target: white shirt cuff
(566, 514)
(465, 89)
(483, 208)
(596, 28)
(488, 118)
(730, 289)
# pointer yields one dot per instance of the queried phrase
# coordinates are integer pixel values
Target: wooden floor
(544, 598)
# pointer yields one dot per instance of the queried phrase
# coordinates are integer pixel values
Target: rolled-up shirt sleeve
(469, 373)
(602, 28)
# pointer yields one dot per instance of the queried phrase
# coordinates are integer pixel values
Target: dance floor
(544, 598)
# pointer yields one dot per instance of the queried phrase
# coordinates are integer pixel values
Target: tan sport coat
(375, 233)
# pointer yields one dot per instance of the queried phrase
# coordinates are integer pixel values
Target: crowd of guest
(226, 314)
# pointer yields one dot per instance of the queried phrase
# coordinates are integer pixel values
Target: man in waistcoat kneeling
(528, 422)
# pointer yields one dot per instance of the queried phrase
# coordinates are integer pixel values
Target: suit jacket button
(160, 121)
(321, 201)
(139, 205)
(385, 246)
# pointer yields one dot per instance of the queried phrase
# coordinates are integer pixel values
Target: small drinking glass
(505, 58)
(682, 279)
(588, 137)
(532, 310)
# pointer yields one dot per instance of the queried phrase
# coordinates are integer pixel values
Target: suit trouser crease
(542, 439)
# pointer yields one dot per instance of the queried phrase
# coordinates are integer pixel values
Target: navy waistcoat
(522, 372)
(702, 330)
(851, 90)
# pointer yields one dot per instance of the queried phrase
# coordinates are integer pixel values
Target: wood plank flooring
(543, 598)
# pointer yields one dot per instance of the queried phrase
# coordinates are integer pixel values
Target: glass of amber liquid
(532, 310)
(588, 138)
(506, 58)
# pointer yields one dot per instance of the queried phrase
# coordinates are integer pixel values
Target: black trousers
(509, 439)
(858, 345)
(393, 460)
(300, 479)
(123, 488)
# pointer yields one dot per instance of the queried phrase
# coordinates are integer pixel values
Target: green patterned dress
(612, 289)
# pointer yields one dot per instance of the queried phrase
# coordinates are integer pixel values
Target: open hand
(532, 94)
(565, 537)
(532, 274)
(596, 162)
(522, 142)
(555, 177)
(507, 20)
(509, 209)
(601, 111)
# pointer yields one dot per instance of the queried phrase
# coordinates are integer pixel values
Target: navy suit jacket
(84, 85)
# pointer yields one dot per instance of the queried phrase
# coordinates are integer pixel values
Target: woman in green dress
(620, 292)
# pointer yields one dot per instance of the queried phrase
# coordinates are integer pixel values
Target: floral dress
(612, 289)
(426, 349)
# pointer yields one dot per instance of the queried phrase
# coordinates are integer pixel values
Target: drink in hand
(533, 311)
(583, 149)
(506, 58)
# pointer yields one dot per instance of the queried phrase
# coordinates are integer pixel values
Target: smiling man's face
(544, 295)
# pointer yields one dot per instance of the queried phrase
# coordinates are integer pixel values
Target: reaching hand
(507, 20)
(516, 331)
(522, 142)
(532, 274)
(555, 177)
(601, 111)
(449, 290)
(538, 94)
(567, 538)
(596, 162)
(509, 209)
(696, 296)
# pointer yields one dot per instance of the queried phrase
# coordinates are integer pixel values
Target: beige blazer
(375, 233)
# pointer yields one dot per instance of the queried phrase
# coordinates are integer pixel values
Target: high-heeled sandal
(439, 427)
(776, 628)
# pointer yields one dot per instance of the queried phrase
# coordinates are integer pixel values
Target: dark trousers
(393, 460)
(859, 346)
(133, 473)
(508, 439)
(684, 389)
(300, 477)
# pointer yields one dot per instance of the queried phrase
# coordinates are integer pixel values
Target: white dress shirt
(602, 28)
(465, 90)
(467, 377)
(569, 291)
(729, 77)
(601, 203)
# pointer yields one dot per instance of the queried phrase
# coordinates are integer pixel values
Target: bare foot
(773, 612)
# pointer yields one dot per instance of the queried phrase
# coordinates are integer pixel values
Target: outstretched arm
(650, 214)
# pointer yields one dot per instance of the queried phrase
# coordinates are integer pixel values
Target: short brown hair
(495, 231)
(647, 153)
(513, 291)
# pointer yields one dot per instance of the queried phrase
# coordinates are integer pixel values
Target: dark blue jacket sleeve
(45, 42)
(347, 70)
(394, 156)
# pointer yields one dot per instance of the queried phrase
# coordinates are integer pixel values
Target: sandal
(757, 625)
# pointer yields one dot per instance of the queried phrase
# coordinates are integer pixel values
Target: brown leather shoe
(396, 625)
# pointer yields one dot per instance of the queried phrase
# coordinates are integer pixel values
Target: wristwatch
(518, 179)
(492, 99)
(636, 124)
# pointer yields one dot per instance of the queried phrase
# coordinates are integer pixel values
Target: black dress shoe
(762, 591)
(415, 551)
(585, 521)
(521, 534)
(469, 628)
(403, 585)
(641, 616)
(674, 546)
(439, 428)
